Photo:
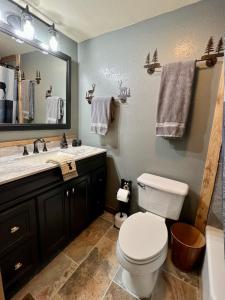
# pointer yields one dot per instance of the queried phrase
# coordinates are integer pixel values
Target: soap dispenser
(63, 143)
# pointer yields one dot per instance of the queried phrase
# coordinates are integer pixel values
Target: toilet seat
(143, 238)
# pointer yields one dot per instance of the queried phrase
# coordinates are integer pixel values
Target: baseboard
(111, 210)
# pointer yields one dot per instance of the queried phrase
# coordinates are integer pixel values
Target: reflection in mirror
(32, 84)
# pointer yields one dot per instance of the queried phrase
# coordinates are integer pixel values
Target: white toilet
(142, 242)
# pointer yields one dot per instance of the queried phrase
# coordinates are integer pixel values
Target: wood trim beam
(30, 141)
(212, 160)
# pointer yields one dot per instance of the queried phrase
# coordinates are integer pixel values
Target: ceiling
(85, 19)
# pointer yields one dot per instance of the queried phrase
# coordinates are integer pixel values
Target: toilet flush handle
(141, 185)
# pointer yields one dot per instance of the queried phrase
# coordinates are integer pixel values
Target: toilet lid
(143, 236)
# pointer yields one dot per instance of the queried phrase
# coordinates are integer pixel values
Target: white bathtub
(213, 272)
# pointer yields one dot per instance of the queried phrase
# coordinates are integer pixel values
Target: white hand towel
(101, 114)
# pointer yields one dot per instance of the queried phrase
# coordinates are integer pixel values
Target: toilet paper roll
(123, 195)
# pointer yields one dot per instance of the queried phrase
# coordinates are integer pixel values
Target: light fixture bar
(46, 19)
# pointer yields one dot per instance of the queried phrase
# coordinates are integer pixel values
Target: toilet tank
(161, 196)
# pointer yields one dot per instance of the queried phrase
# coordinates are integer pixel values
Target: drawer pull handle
(67, 193)
(14, 229)
(18, 266)
(73, 190)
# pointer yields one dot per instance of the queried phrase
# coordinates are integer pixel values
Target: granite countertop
(15, 167)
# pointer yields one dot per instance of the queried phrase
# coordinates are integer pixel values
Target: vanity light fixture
(53, 42)
(27, 28)
(1, 17)
(27, 24)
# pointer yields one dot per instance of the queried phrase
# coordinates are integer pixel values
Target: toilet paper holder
(121, 216)
(126, 185)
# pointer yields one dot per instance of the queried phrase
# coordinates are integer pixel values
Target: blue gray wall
(132, 145)
(67, 46)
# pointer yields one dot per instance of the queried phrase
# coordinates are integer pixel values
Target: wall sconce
(38, 77)
(90, 94)
(124, 92)
(53, 42)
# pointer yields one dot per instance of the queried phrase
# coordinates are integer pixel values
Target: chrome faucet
(36, 145)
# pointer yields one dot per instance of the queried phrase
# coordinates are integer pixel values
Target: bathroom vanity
(40, 214)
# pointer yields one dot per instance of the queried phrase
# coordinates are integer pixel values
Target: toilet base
(141, 286)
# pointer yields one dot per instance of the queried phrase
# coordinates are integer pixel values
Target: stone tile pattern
(88, 269)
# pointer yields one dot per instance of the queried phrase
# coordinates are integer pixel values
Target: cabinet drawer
(18, 262)
(16, 224)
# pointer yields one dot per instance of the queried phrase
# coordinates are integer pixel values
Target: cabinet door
(97, 203)
(53, 220)
(80, 193)
(18, 265)
(16, 224)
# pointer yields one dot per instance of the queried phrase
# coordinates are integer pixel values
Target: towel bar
(122, 97)
(209, 58)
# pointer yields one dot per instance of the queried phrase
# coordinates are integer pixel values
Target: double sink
(16, 167)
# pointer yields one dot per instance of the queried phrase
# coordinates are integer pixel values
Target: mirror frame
(5, 28)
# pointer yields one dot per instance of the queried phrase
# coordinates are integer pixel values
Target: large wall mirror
(34, 85)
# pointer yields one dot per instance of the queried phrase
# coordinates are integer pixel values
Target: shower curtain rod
(10, 66)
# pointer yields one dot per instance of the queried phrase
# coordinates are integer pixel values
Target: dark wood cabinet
(97, 201)
(53, 208)
(17, 224)
(19, 264)
(42, 214)
(79, 201)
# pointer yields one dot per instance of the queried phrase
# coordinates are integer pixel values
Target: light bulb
(53, 43)
(44, 46)
(19, 33)
(28, 30)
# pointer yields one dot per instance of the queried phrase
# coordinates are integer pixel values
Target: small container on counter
(76, 143)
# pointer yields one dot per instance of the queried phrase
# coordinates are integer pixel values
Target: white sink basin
(47, 157)
(71, 153)
(82, 150)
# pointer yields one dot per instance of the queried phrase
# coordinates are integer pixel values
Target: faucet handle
(63, 143)
(25, 152)
(45, 147)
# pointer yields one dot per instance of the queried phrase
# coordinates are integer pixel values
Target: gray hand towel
(101, 114)
(175, 98)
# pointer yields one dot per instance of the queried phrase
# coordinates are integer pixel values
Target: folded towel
(28, 97)
(175, 98)
(7, 77)
(55, 110)
(9, 111)
(2, 111)
(68, 167)
(6, 111)
(101, 114)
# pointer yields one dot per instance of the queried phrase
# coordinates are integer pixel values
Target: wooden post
(20, 104)
(212, 160)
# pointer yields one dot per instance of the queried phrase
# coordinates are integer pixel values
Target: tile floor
(87, 269)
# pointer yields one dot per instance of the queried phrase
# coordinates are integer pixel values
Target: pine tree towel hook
(152, 65)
